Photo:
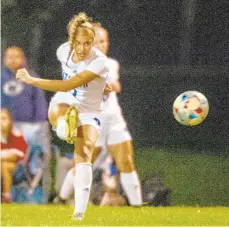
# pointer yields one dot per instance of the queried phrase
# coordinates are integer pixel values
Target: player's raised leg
(123, 155)
(64, 118)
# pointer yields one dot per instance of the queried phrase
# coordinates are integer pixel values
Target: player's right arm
(94, 70)
(57, 85)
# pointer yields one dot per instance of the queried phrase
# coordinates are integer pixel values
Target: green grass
(50, 215)
(195, 179)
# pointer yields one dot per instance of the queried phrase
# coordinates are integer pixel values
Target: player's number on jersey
(74, 92)
(66, 76)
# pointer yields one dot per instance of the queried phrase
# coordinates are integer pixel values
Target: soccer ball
(190, 108)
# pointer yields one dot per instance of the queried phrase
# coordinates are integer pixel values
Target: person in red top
(13, 150)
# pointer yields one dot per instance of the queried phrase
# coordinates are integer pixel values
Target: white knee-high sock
(131, 185)
(82, 186)
(60, 129)
(67, 188)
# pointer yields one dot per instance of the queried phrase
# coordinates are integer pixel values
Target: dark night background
(164, 48)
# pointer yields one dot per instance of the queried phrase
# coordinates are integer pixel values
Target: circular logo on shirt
(13, 87)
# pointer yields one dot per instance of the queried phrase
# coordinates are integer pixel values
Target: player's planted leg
(82, 186)
(85, 142)
(67, 188)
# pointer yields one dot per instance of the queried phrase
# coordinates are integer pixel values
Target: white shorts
(93, 119)
(114, 131)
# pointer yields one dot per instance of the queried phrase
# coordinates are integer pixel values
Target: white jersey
(89, 96)
(114, 127)
(110, 101)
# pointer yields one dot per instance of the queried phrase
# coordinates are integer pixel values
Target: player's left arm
(57, 85)
(113, 77)
(116, 86)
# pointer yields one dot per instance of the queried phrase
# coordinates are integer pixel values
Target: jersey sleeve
(98, 66)
(113, 74)
(62, 52)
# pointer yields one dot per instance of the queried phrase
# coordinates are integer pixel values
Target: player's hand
(107, 89)
(23, 75)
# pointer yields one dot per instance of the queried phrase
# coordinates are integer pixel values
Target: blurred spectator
(13, 149)
(27, 184)
(28, 107)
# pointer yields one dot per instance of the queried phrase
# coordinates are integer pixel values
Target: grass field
(50, 215)
(200, 181)
(194, 178)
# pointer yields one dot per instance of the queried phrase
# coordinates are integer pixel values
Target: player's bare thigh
(123, 155)
(87, 136)
(57, 111)
(95, 154)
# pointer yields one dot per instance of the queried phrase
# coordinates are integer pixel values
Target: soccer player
(76, 114)
(114, 133)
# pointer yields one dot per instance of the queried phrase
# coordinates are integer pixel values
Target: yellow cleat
(72, 119)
